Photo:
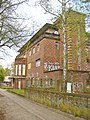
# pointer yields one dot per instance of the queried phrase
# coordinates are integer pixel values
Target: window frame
(19, 69)
(33, 50)
(30, 53)
(16, 69)
(38, 62)
(38, 47)
(23, 69)
(57, 45)
(29, 66)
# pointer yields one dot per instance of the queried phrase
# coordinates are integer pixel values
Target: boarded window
(29, 66)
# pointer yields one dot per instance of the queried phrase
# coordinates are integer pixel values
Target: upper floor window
(19, 70)
(30, 53)
(24, 55)
(16, 70)
(88, 60)
(56, 32)
(38, 63)
(29, 66)
(57, 45)
(38, 47)
(23, 69)
(33, 50)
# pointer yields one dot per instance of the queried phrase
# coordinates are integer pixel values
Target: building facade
(41, 59)
(40, 62)
(20, 72)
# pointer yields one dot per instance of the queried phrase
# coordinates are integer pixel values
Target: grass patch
(76, 111)
(6, 87)
(17, 91)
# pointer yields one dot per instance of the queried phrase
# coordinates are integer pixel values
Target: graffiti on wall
(77, 87)
(51, 66)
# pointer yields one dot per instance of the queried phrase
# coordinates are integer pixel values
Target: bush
(76, 111)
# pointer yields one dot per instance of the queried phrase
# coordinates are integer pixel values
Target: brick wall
(47, 54)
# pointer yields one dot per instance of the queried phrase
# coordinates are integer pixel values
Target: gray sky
(36, 15)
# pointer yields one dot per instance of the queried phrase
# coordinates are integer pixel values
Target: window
(19, 69)
(16, 70)
(30, 53)
(88, 80)
(23, 70)
(56, 32)
(57, 45)
(29, 66)
(33, 50)
(88, 60)
(24, 55)
(38, 63)
(32, 81)
(38, 47)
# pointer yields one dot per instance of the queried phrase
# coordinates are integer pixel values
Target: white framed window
(23, 70)
(33, 50)
(19, 70)
(38, 63)
(16, 71)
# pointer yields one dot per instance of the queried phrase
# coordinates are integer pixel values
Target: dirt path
(13, 107)
(2, 111)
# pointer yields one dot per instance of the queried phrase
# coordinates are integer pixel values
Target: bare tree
(64, 11)
(62, 15)
(12, 30)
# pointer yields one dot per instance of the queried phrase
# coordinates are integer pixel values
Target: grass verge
(17, 91)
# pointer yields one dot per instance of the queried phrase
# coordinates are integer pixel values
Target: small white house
(8, 80)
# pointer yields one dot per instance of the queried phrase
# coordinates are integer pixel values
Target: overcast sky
(36, 15)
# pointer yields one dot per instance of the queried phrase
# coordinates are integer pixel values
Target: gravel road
(14, 107)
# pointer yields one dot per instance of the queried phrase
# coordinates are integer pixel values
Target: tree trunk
(64, 38)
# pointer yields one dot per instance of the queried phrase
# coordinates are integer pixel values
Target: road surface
(14, 107)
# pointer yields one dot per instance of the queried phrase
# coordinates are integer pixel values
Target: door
(69, 87)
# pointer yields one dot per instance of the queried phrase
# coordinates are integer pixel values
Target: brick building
(40, 61)
(20, 72)
(43, 58)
